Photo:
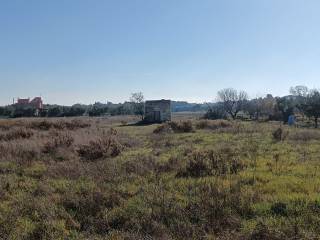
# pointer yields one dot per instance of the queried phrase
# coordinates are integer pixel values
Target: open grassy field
(102, 178)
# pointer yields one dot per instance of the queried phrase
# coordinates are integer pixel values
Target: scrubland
(104, 178)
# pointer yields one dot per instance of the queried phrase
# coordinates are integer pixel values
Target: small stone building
(157, 111)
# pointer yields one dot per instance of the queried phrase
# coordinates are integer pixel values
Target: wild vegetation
(99, 178)
(135, 105)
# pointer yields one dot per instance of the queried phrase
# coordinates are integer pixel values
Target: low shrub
(59, 125)
(19, 133)
(103, 147)
(61, 140)
(164, 128)
(304, 135)
(176, 127)
(280, 134)
(208, 163)
(181, 127)
(213, 124)
(279, 208)
(263, 232)
(140, 165)
(41, 125)
(75, 124)
(197, 167)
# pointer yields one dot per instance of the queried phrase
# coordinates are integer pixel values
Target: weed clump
(211, 163)
(279, 208)
(63, 140)
(20, 133)
(196, 167)
(181, 127)
(213, 124)
(163, 128)
(279, 134)
(176, 127)
(304, 135)
(59, 125)
(103, 147)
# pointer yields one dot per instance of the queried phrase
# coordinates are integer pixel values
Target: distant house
(25, 107)
(157, 111)
(36, 103)
(23, 101)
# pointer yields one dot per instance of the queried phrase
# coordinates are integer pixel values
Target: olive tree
(233, 101)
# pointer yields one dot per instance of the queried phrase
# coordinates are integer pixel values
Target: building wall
(162, 106)
(23, 101)
(26, 103)
(37, 103)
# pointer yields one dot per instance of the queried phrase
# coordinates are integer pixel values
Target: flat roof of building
(162, 100)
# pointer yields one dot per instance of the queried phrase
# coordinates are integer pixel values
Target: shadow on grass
(140, 123)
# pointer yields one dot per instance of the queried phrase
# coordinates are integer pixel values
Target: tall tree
(311, 106)
(301, 91)
(286, 106)
(137, 100)
(233, 101)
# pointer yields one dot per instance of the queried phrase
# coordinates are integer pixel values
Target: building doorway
(157, 116)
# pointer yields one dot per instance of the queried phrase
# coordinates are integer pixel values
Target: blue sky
(73, 51)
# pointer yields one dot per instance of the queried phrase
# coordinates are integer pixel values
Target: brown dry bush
(209, 163)
(176, 127)
(216, 207)
(41, 125)
(59, 125)
(20, 133)
(263, 232)
(304, 135)
(279, 134)
(141, 164)
(60, 140)
(144, 164)
(76, 124)
(103, 147)
(198, 166)
(182, 126)
(6, 125)
(87, 209)
(173, 164)
(213, 124)
(23, 155)
(163, 128)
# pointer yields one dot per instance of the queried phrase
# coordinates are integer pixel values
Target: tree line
(231, 103)
(236, 104)
(135, 105)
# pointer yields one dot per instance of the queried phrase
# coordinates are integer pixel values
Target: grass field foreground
(102, 178)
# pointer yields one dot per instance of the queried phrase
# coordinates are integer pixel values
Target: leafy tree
(43, 113)
(259, 107)
(23, 112)
(233, 101)
(75, 111)
(216, 112)
(311, 106)
(254, 108)
(55, 111)
(96, 111)
(8, 111)
(286, 106)
(137, 100)
(301, 91)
